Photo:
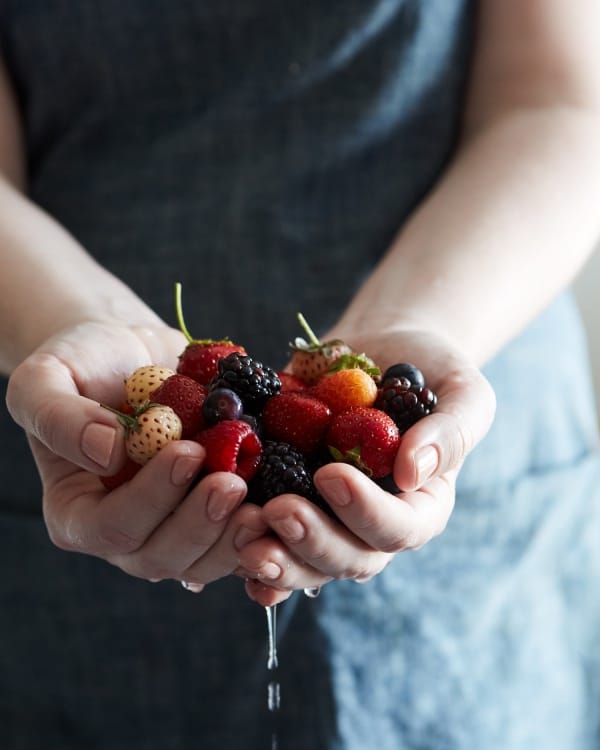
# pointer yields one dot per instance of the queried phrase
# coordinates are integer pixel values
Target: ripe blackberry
(253, 382)
(404, 401)
(282, 469)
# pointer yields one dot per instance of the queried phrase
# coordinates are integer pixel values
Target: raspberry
(404, 401)
(282, 469)
(253, 382)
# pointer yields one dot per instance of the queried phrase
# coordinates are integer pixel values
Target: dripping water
(273, 688)
(313, 592)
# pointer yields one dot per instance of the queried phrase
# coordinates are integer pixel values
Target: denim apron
(266, 153)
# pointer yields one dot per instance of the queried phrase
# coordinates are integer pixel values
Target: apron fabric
(265, 154)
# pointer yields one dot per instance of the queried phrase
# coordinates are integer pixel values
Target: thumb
(441, 442)
(43, 398)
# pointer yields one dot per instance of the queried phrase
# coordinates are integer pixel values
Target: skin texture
(495, 227)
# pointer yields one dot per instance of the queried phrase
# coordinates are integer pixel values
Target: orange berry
(346, 388)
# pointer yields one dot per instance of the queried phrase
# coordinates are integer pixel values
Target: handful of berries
(272, 428)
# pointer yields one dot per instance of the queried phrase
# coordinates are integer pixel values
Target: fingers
(187, 533)
(245, 526)
(42, 397)
(310, 548)
(442, 441)
(265, 595)
(82, 517)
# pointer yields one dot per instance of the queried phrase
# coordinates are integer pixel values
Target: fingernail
(220, 504)
(98, 442)
(195, 588)
(336, 491)
(426, 462)
(289, 529)
(184, 470)
(270, 571)
(243, 536)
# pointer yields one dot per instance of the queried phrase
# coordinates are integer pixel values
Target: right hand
(156, 526)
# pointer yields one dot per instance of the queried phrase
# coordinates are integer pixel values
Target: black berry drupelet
(253, 382)
(404, 401)
(282, 469)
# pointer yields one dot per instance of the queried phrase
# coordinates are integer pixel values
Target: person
(419, 179)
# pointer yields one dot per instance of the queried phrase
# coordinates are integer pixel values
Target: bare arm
(69, 333)
(48, 281)
(516, 214)
(505, 229)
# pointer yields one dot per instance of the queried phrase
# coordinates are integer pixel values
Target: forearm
(506, 228)
(48, 282)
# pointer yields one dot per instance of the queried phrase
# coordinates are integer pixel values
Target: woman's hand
(310, 548)
(158, 525)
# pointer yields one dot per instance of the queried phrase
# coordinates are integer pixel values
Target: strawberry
(297, 418)
(231, 445)
(346, 388)
(200, 357)
(366, 438)
(148, 430)
(311, 359)
(186, 397)
(290, 382)
(140, 384)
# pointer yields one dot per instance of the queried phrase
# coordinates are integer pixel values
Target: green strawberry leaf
(354, 362)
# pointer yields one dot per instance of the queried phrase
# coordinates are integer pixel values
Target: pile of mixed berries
(273, 428)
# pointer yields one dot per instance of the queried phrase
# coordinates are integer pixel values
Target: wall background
(587, 290)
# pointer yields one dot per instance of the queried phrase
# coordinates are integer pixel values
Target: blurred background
(587, 290)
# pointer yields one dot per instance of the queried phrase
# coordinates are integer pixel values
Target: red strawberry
(297, 418)
(231, 445)
(366, 438)
(199, 359)
(290, 382)
(311, 359)
(185, 396)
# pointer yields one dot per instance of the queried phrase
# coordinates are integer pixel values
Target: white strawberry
(312, 359)
(148, 430)
(140, 384)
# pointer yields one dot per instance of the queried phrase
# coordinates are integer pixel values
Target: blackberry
(253, 382)
(282, 469)
(404, 401)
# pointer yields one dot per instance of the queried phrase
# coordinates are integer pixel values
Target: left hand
(310, 549)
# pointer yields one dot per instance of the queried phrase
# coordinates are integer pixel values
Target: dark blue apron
(266, 153)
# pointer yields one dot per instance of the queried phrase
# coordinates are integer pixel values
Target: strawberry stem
(128, 421)
(312, 338)
(179, 313)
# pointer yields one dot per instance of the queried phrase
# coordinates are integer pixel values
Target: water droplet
(313, 592)
(274, 696)
(272, 637)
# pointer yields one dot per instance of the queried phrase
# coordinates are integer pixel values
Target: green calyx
(354, 362)
(184, 329)
(130, 421)
(351, 457)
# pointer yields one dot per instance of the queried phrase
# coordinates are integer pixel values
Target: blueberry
(405, 370)
(220, 404)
